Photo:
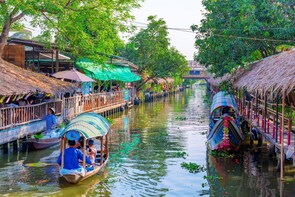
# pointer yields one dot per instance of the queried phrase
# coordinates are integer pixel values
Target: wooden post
(101, 151)
(277, 118)
(251, 114)
(265, 112)
(107, 145)
(52, 66)
(84, 153)
(56, 61)
(282, 137)
(257, 113)
(62, 147)
(33, 58)
(39, 61)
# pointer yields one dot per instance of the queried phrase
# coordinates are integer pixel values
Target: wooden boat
(38, 144)
(88, 125)
(224, 130)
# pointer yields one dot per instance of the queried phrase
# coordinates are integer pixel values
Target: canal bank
(149, 144)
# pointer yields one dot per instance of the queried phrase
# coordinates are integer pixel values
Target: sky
(177, 14)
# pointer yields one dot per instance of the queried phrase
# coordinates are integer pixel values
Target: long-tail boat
(89, 126)
(224, 130)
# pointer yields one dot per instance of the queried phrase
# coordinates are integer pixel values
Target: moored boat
(88, 126)
(224, 130)
(39, 144)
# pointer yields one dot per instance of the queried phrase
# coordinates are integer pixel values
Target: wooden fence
(67, 108)
(264, 115)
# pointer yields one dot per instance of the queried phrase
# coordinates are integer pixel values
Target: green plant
(193, 167)
(181, 155)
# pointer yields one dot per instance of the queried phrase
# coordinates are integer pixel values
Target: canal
(153, 151)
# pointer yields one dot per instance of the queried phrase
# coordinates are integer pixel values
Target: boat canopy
(107, 72)
(90, 125)
(223, 99)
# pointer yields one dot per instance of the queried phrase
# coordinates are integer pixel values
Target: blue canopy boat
(224, 130)
(87, 126)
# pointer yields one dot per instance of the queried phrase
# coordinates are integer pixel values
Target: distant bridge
(197, 73)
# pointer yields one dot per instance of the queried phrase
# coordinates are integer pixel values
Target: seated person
(80, 144)
(92, 151)
(72, 156)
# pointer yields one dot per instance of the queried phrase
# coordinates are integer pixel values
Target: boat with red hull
(225, 131)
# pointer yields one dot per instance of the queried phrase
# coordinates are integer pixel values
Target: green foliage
(150, 49)
(220, 38)
(39, 136)
(193, 167)
(88, 29)
(181, 118)
(22, 35)
(181, 154)
(223, 154)
(226, 86)
(111, 121)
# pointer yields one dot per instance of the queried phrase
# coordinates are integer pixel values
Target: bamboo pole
(84, 153)
(282, 137)
(101, 151)
(107, 146)
(62, 152)
(265, 112)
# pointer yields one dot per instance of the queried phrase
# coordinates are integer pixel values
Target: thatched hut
(15, 80)
(274, 74)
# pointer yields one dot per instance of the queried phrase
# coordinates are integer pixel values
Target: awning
(90, 125)
(223, 99)
(107, 72)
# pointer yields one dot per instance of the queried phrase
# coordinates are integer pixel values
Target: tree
(151, 51)
(88, 28)
(235, 33)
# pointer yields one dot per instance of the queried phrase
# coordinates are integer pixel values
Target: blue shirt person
(72, 156)
(50, 119)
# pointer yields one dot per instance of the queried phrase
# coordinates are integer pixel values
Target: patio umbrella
(73, 75)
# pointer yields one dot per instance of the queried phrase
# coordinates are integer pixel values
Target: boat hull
(76, 178)
(35, 144)
(225, 135)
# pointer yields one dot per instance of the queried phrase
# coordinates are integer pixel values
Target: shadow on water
(148, 144)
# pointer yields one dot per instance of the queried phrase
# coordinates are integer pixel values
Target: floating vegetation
(111, 121)
(223, 154)
(203, 132)
(212, 177)
(181, 155)
(181, 118)
(193, 167)
(37, 165)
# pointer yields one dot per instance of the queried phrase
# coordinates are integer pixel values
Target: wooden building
(36, 56)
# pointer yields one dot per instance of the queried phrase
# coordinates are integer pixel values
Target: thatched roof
(273, 74)
(15, 80)
(215, 81)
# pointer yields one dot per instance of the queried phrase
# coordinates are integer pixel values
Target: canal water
(153, 151)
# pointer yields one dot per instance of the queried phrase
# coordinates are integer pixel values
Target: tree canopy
(150, 49)
(235, 33)
(87, 28)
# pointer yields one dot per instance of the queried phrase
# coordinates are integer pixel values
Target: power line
(255, 39)
(144, 25)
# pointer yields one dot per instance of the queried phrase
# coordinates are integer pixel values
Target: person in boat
(50, 122)
(80, 144)
(92, 150)
(72, 156)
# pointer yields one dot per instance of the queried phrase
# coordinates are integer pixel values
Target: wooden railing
(81, 104)
(268, 119)
(67, 108)
(15, 116)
